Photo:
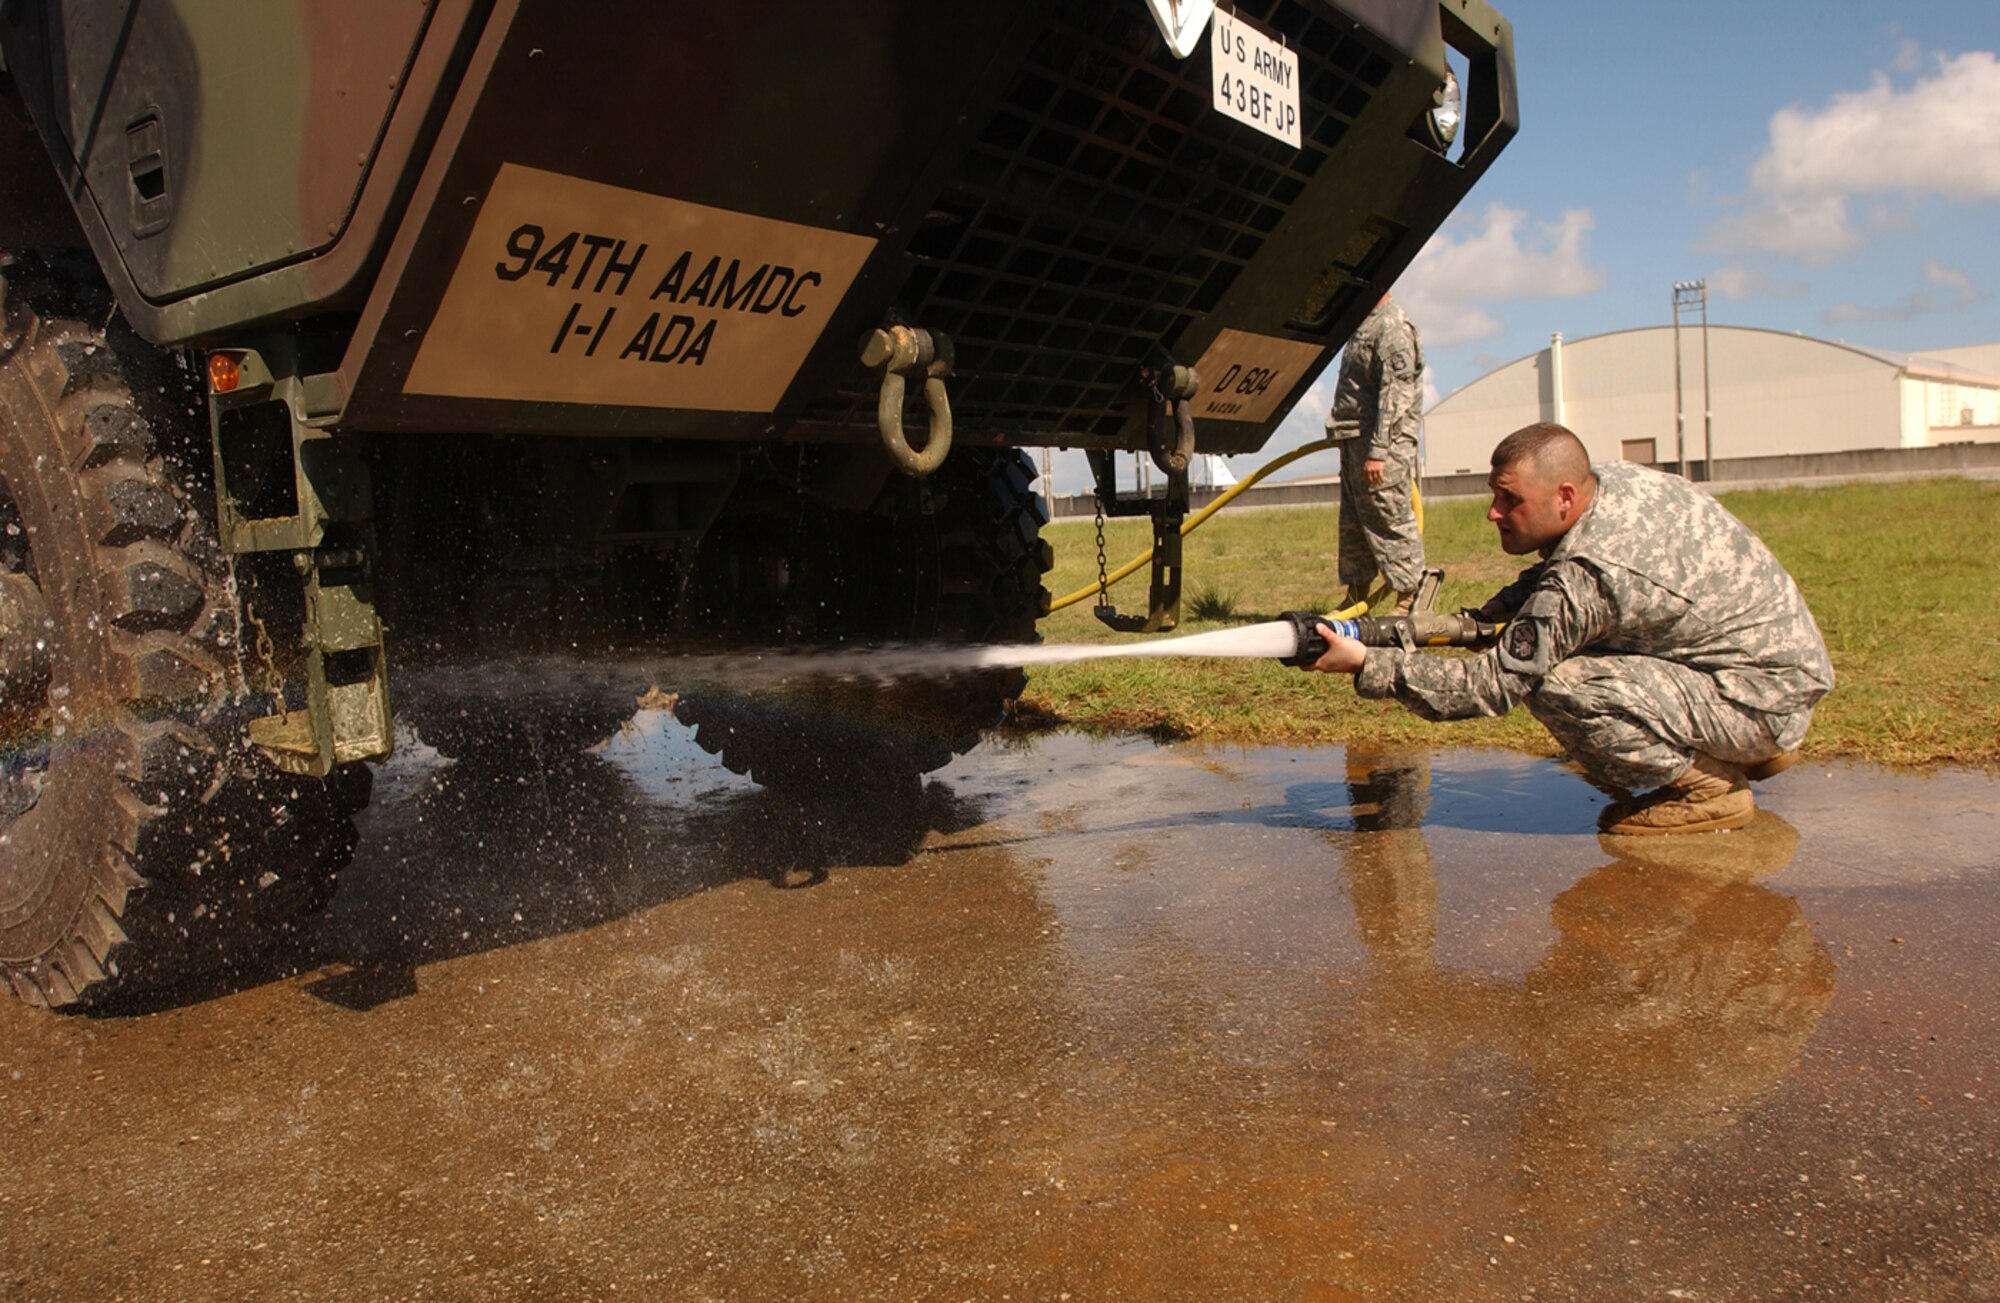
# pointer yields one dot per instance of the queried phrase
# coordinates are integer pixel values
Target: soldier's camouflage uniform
(1659, 626)
(1376, 403)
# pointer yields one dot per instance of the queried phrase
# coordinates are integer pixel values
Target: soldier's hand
(1372, 469)
(1344, 655)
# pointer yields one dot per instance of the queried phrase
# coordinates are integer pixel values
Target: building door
(1639, 450)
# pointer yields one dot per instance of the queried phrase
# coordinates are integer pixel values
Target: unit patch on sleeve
(1523, 641)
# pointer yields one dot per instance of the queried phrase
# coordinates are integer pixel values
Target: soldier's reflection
(1389, 864)
(1678, 989)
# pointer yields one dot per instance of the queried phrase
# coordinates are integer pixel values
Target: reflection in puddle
(1089, 1017)
(1300, 1003)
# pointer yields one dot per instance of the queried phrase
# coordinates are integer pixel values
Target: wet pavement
(1096, 1020)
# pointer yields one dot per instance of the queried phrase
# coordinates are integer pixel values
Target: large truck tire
(974, 576)
(141, 840)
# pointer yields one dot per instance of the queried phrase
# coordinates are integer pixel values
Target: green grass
(1904, 579)
(1210, 606)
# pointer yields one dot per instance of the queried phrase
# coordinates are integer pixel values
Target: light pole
(1693, 296)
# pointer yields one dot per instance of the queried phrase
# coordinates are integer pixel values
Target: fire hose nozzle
(1409, 632)
(1311, 645)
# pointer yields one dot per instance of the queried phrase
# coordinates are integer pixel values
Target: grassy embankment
(1904, 579)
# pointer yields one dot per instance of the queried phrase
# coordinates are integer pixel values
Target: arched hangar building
(1770, 394)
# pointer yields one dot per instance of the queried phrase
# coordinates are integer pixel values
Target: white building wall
(1779, 393)
(1960, 409)
(1771, 393)
(1982, 402)
(1916, 413)
(1983, 359)
(1962, 393)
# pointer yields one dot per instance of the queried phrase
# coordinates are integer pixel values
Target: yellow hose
(1194, 522)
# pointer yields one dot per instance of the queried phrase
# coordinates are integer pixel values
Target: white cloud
(1505, 257)
(1810, 228)
(1940, 135)
(1891, 217)
(1307, 419)
(1446, 324)
(1737, 281)
(1947, 289)
(1951, 278)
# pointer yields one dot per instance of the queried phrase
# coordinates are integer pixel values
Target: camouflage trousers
(1378, 523)
(1637, 721)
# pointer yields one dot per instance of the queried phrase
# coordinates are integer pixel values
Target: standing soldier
(1375, 408)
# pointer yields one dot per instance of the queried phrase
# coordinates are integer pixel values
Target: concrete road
(1097, 1020)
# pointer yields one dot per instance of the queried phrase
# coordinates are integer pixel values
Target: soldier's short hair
(1553, 450)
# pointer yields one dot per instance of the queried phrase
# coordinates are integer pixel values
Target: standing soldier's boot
(1710, 795)
(1406, 602)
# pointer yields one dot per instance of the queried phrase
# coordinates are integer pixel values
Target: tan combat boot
(1405, 603)
(1710, 796)
(1771, 768)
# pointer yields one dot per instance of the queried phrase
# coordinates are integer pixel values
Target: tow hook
(1170, 415)
(900, 351)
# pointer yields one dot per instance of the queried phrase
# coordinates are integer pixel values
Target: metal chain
(1103, 586)
(274, 682)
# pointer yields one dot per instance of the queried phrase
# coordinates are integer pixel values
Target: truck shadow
(457, 859)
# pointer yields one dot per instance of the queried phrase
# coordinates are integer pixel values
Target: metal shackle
(900, 352)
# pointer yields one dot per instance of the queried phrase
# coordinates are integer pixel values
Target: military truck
(344, 340)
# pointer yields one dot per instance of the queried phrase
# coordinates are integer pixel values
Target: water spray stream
(1294, 640)
(1272, 640)
(879, 662)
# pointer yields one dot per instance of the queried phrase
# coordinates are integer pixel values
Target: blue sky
(1829, 166)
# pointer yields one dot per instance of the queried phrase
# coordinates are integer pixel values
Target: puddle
(1094, 1018)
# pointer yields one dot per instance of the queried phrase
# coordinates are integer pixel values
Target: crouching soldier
(1658, 639)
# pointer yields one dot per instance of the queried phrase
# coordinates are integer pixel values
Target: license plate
(1256, 78)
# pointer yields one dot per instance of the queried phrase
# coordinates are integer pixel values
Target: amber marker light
(223, 372)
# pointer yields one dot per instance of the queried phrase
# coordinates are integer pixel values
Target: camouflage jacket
(1380, 392)
(1653, 567)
